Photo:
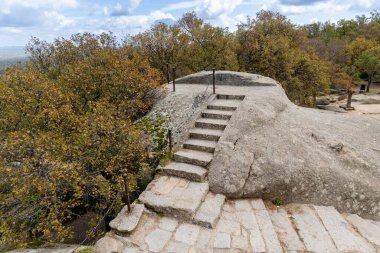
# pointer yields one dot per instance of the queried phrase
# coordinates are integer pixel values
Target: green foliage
(166, 157)
(272, 46)
(85, 250)
(369, 63)
(155, 125)
(72, 121)
(67, 134)
(278, 201)
(191, 45)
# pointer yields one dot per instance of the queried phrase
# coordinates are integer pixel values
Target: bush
(67, 134)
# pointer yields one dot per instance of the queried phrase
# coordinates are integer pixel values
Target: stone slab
(198, 158)
(174, 196)
(168, 224)
(210, 210)
(126, 222)
(256, 241)
(311, 230)
(285, 231)
(222, 241)
(343, 235)
(367, 228)
(187, 233)
(187, 171)
(269, 235)
(205, 134)
(157, 239)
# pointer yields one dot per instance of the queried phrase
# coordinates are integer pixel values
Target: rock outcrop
(273, 148)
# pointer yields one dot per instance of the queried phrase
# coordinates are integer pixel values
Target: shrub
(67, 133)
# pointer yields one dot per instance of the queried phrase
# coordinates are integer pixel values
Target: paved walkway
(179, 214)
(251, 226)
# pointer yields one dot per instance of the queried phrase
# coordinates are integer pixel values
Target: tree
(67, 135)
(162, 45)
(209, 47)
(271, 45)
(356, 48)
(369, 62)
(190, 45)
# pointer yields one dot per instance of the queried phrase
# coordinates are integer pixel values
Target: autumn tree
(67, 133)
(272, 46)
(369, 63)
(209, 47)
(161, 44)
(190, 45)
(353, 51)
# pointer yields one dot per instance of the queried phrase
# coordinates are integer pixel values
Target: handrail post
(126, 199)
(174, 79)
(213, 81)
(167, 72)
(170, 139)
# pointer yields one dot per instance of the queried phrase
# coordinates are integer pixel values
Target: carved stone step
(173, 196)
(126, 222)
(200, 145)
(232, 97)
(210, 210)
(216, 114)
(187, 171)
(219, 124)
(205, 134)
(198, 158)
(224, 104)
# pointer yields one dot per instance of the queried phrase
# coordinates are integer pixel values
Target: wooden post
(167, 72)
(126, 199)
(213, 81)
(173, 79)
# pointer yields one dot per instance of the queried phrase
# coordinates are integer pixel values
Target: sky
(49, 19)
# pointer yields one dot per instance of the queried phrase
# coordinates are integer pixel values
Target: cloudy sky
(48, 19)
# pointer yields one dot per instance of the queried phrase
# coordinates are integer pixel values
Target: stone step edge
(230, 97)
(198, 176)
(178, 157)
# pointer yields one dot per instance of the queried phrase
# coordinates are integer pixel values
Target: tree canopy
(72, 121)
(67, 134)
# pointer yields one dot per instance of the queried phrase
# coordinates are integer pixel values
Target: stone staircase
(187, 217)
(249, 225)
(183, 191)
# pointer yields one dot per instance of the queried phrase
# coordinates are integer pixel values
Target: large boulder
(273, 148)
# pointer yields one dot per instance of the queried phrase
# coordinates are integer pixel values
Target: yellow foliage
(67, 134)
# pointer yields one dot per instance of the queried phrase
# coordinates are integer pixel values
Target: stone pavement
(250, 225)
(182, 215)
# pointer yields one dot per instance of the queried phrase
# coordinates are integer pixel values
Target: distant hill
(12, 55)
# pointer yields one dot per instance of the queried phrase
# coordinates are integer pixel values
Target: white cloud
(214, 8)
(57, 20)
(21, 13)
(135, 23)
(127, 9)
(329, 6)
(10, 30)
(181, 6)
(133, 4)
(46, 4)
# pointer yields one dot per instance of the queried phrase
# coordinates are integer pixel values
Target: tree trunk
(370, 79)
(349, 96)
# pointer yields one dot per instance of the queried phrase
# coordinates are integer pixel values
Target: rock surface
(126, 222)
(273, 148)
(174, 196)
(250, 225)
